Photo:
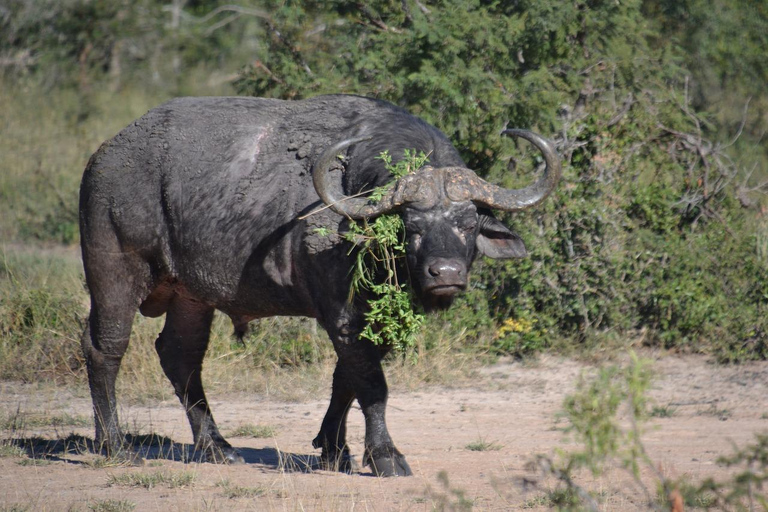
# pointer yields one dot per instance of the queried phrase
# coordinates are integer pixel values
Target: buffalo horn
(330, 190)
(464, 184)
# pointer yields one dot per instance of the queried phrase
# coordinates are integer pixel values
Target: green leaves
(391, 319)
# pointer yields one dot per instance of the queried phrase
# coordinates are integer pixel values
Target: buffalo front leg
(359, 368)
(181, 346)
(333, 432)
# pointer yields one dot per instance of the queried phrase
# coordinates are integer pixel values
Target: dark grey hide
(196, 206)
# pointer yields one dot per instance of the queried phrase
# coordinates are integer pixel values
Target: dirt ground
(511, 406)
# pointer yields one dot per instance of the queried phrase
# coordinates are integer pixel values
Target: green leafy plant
(392, 318)
(596, 411)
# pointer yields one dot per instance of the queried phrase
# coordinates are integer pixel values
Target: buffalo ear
(496, 241)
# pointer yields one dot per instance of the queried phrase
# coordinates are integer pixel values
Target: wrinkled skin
(196, 206)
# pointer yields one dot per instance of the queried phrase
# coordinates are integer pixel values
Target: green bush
(655, 233)
(607, 416)
(624, 248)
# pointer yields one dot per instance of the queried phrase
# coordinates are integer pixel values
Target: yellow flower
(518, 325)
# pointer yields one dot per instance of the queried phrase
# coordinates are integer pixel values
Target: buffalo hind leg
(333, 432)
(104, 343)
(181, 347)
(114, 283)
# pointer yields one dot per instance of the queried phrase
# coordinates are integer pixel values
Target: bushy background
(657, 235)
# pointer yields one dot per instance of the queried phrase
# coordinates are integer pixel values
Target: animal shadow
(156, 447)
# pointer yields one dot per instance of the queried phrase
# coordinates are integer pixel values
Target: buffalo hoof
(387, 465)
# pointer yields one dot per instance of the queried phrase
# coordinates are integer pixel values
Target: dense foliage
(655, 236)
(648, 237)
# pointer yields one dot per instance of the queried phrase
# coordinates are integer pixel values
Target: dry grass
(44, 308)
(46, 140)
(253, 431)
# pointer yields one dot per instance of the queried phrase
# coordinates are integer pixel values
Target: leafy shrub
(605, 443)
(623, 248)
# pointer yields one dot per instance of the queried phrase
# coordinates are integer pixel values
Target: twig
(376, 20)
(741, 126)
(545, 464)
(294, 52)
(423, 8)
(325, 207)
(261, 65)
(648, 461)
(226, 21)
(624, 109)
(227, 8)
(407, 12)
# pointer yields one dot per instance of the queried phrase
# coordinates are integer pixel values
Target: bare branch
(260, 65)
(407, 12)
(423, 8)
(294, 51)
(232, 8)
(226, 21)
(741, 126)
(375, 19)
(624, 109)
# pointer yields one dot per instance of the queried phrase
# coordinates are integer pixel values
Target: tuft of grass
(16, 507)
(24, 420)
(148, 480)
(538, 501)
(8, 450)
(713, 410)
(481, 445)
(693, 495)
(101, 462)
(662, 411)
(111, 506)
(233, 491)
(254, 431)
(34, 462)
(559, 499)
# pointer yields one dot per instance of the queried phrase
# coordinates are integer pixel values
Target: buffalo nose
(448, 270)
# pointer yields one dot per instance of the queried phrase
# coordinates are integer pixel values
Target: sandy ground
(513, 406)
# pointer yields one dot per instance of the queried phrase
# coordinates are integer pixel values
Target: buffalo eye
(467, 227)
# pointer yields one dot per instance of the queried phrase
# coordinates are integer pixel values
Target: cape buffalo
(202, 204)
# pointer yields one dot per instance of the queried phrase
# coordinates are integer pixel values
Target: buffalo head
(447, 216)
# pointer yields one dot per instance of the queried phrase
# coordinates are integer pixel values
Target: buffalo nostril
(446, 269)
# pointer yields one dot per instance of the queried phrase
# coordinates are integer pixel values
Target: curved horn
(511, 200)
(331, 193)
